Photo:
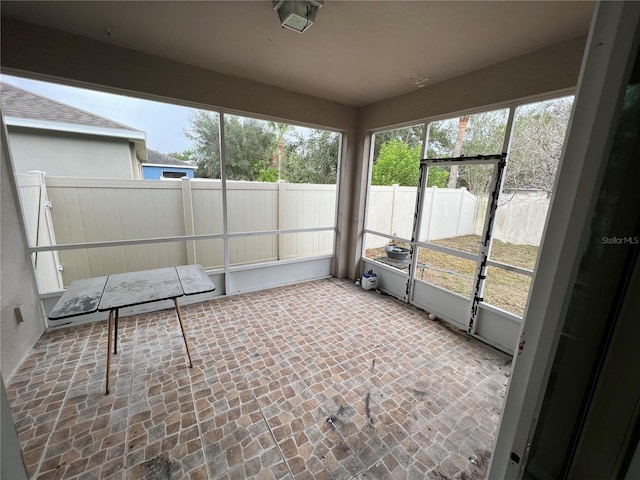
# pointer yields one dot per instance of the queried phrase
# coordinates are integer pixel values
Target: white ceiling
(357, 52)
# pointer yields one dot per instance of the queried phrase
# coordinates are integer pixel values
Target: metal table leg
(186, 344)
(111, 314)
(115, 335)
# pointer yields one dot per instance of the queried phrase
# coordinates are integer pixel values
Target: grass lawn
(503, 289)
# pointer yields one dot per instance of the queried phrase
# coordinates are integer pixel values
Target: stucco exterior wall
(17, 279)
(66, 155)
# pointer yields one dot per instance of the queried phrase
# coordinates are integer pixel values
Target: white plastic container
(369, 280)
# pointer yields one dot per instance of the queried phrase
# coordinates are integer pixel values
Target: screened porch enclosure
(470, 217)
(265, 213)
(261, 214)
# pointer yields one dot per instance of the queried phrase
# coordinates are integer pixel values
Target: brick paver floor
(315, 380)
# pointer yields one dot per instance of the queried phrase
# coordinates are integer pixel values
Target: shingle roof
(20, 103)
(158, 158)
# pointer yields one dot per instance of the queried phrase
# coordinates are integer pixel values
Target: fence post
(189, 228)
(434, 192)
(394, 196)
(41, 234)
(480, 211)
(461, 190)
(282, 212)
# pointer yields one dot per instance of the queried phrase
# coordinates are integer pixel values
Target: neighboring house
(160, 165)
(62, 140)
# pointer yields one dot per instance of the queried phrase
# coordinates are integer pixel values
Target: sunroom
(467, 241)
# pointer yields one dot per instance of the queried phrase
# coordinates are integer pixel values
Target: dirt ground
(503, 289)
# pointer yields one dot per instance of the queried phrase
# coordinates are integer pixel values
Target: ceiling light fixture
(297, 15)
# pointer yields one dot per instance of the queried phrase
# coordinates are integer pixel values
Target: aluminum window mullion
(223, 183)
(510, 268)
(181, 238)
(387, 235)
(122, 243)
(423, 180)
(448, 251)
(372, 142)
(472, 160)
(489, 223)
(279, 232)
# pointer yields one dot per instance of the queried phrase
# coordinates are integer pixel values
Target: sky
(163, 123)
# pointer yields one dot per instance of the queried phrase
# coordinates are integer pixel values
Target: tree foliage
(186, 156)
(397, 163)
(536, 145)
(256, 150)
(535, 149)
(311, 158)
(281, 130)
(437, 177)
(397, 157)
(411, 136)
(248, 146)
(442, 138)
(479, 134)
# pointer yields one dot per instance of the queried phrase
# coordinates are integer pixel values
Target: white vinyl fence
(448, 212)
(35, 203)
(520, 218)
(97, 210)
(455, 212)
(83, 210)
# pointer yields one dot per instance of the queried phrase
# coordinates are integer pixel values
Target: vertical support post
(45, 263)
(394, 197)
(461, 190)
(361, 237)
(487, 233)
(223, 183)
(417, 222)
(485, 246)
(434, 193)
(282, 214)
(189, 225)
(417, 215)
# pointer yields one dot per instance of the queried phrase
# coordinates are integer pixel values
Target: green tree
(280, 130)
(312, 158)
(442, 136)
(269, 174)
(397, 163)
(185, 156)
(412, 136)
(457, 150)
(478, 134)
(204, 134)
(536, 146)
(248, 146)
(484, 135)
(437, 177)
